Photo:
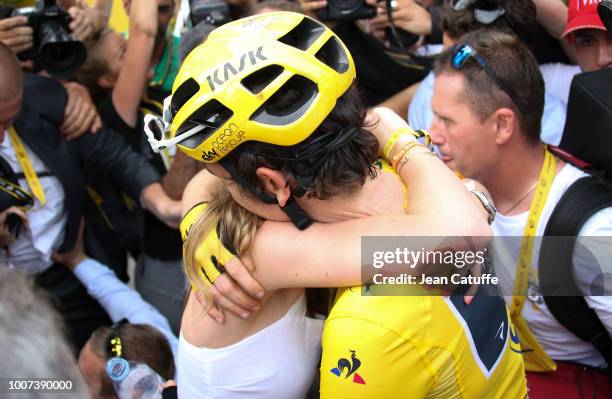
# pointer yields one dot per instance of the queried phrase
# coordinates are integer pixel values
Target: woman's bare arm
(327, 255)
(133, 77)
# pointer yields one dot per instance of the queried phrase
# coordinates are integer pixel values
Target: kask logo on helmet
(230, 70)
(225, 141)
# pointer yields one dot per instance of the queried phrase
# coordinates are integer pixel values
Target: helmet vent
(288, 104)
(211, 115)
(333, 55)
(259, 80)
(303, 35)
(183, 94)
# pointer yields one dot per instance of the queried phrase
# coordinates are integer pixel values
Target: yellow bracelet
(402, 151)
(394, 137)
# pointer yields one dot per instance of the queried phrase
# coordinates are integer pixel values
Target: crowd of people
(239, 158)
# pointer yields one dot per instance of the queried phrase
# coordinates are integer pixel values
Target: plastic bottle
(133, 380)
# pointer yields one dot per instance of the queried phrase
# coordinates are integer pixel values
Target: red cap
(582, 14)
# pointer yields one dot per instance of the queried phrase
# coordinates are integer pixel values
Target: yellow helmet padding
(240, 48)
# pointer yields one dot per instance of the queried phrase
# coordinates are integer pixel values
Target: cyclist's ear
(274, 184)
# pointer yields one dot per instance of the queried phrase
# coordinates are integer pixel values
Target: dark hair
(340, 171)
(519, 20)
(140, 343)
(514, 64)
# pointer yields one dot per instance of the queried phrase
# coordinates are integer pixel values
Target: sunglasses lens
(461, 55)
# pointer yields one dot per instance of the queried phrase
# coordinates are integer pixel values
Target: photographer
(57, 170)
(19, 34)
(382, 72)
(85, 22)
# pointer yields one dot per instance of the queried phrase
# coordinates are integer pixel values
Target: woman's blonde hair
(236, 229)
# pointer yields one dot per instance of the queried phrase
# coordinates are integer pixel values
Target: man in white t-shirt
(488, 101)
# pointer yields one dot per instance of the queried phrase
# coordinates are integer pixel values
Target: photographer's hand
(310, 6)
(83, 24)
(80, 114)
(16, 34)
(407, 15)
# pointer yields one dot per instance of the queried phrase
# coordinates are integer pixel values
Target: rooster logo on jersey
(351, 367)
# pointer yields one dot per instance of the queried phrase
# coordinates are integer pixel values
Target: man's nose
(435, 132)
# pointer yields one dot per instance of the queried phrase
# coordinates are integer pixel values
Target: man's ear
(505, 123)
(275, 184)
(106, 81)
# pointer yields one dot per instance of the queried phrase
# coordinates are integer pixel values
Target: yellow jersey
(425, 346)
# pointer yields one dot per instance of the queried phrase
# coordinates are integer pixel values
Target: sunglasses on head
(113, 347)
(461, 53)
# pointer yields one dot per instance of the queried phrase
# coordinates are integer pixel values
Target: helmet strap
(318, 147)
(296, 214)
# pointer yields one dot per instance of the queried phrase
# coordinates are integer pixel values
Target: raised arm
(133, 76)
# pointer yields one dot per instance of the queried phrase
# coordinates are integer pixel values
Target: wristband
(402, 151)
(395, 136)
(406, 158)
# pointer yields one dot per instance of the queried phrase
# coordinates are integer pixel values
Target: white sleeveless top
(278, 362)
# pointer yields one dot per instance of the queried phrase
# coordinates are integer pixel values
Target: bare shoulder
(201, 188)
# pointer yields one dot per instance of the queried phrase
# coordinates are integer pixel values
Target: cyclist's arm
(330, 254)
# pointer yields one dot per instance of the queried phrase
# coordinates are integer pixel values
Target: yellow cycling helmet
(221, 95)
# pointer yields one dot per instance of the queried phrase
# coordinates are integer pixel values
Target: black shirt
(160, 241)
(380, 73)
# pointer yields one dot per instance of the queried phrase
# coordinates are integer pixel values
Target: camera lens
(59, 54)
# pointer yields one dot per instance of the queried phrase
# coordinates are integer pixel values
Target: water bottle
(133, 380)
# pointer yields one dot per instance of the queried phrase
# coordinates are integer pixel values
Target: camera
(54, 50)
(214, 12)
(345, 10)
